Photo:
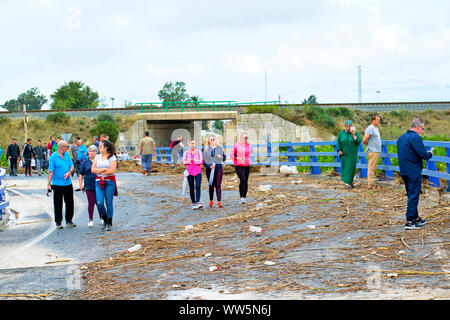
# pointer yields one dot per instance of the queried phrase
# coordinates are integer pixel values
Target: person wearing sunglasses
(411, 153)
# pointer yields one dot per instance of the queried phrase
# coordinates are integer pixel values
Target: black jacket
(28, 151)
(13, 151)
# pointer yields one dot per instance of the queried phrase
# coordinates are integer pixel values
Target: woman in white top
(104, 167)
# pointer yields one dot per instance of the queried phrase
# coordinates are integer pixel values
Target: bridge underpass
(165, 127)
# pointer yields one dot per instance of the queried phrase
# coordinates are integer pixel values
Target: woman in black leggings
(240, 154)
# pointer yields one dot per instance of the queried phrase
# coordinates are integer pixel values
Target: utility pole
(112, 102)
(25, 122)
(359, 85)
(265, 85)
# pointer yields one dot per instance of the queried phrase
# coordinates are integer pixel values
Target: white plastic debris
(255, 229)
(189, 227)
(401, 252)
(134, 248)
(209, 254)
(269, 263)
(265, 187)
(287, 170)
(259, 205)
(213, 268)
(296, 181)
(311, 226)
(392, 275)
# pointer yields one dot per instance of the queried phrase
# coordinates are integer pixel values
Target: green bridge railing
(181, 106)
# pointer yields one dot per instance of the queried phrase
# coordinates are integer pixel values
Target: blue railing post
(269, 151)
(447, 184)
(313, 169)
(291, 149)
(337, 159)
(158, 156)
(362, 172)
(431, 165)
(389, 174)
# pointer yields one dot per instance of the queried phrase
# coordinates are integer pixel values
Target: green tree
(106, 127)
(74, 95)
(174, 92)
(32, 99)
(219, 125)
(311, 100)
(11, 105)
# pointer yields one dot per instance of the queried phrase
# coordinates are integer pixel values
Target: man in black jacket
(27, 154)
(39, 156)
(13, 155)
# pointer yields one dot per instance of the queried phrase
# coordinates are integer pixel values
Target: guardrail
(268, 157)
(4, 198)
(197, 106)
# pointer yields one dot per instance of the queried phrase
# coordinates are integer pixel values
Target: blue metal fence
(273, 158)
(4, 199)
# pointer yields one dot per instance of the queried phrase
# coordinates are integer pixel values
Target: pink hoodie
(241, 151)
(193, 161)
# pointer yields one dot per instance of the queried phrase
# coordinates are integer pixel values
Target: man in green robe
(348, 141)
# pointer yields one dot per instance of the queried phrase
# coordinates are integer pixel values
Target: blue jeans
(146, 162)
(103, 195)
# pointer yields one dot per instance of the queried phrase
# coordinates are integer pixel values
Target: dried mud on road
(319, 240)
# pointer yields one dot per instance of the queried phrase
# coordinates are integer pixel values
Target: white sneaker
(243, 201)
(102, 222)
(91, 223)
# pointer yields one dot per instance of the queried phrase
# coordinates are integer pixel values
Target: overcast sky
(223, 49)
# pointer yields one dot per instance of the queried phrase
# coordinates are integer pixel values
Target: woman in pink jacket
(193, 160)
(240, 154)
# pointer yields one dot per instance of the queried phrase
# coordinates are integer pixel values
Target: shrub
(105, 117)
(105, 127)
(58, 117)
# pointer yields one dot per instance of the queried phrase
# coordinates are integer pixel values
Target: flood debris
(356, 231)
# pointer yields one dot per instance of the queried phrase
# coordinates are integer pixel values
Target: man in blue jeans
(147, 148)
(411, 153)
(60, 168)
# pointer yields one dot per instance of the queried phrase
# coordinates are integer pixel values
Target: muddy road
(319, 240)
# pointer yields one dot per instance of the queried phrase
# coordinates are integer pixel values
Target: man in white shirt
(373, 141)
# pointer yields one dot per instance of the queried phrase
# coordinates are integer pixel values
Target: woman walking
(347, 144)
(240, 154)
(86, 180)
(193, 159)
(213, 158)
(104, 167)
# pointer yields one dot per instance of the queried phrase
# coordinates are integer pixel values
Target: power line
(319, 83)
(402, 77)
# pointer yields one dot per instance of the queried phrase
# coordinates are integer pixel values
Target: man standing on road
(55, 146)
(60, 169)
(175, 147)
(95, 141)
(13, 155)
(39, 155)
(373, 141)
(50, 145)
(27, 154)
(82, 151)
(147, 147)
(411, 153)
(74, 151)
